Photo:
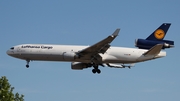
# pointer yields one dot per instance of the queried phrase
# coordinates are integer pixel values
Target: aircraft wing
(100, 47)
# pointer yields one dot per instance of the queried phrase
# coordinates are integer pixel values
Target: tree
(6, 91)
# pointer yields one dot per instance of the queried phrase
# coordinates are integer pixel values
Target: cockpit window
(12, 48)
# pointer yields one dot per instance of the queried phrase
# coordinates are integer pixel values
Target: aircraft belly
(118, 59)
(121, 55)
(40, 55)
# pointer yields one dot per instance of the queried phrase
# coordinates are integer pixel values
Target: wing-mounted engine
(78, 65)
(69, 56)
(147, 44)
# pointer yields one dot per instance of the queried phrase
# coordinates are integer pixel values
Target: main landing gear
(27, 65)
(96, 70)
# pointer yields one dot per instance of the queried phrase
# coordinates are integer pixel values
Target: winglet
(116, 32)
(154, 50)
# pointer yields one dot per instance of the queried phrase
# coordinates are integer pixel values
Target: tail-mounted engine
(147, 44)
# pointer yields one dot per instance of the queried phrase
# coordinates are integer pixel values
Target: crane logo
(159, 34)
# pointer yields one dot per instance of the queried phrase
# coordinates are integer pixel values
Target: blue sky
(82, 22)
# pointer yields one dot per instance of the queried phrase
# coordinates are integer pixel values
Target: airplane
(156, 38)
(81, 57)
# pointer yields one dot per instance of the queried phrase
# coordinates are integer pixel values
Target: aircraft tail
(156, 38)
(160, 32)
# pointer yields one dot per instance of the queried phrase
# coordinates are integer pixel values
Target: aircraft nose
(9, 52)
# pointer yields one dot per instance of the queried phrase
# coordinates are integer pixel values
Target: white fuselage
(47, 52)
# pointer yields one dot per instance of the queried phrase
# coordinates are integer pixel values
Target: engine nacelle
(147, 44)
(69, 56)
(78, 65)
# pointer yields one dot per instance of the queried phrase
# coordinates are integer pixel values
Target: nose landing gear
(27, 65)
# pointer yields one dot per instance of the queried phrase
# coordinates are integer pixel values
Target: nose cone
(9, 52)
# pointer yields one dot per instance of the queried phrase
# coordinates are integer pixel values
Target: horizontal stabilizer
(157, 37)
(154, 50)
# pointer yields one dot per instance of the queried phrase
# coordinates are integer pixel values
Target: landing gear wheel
(98, 71)
(27, 66)
(94, 71)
